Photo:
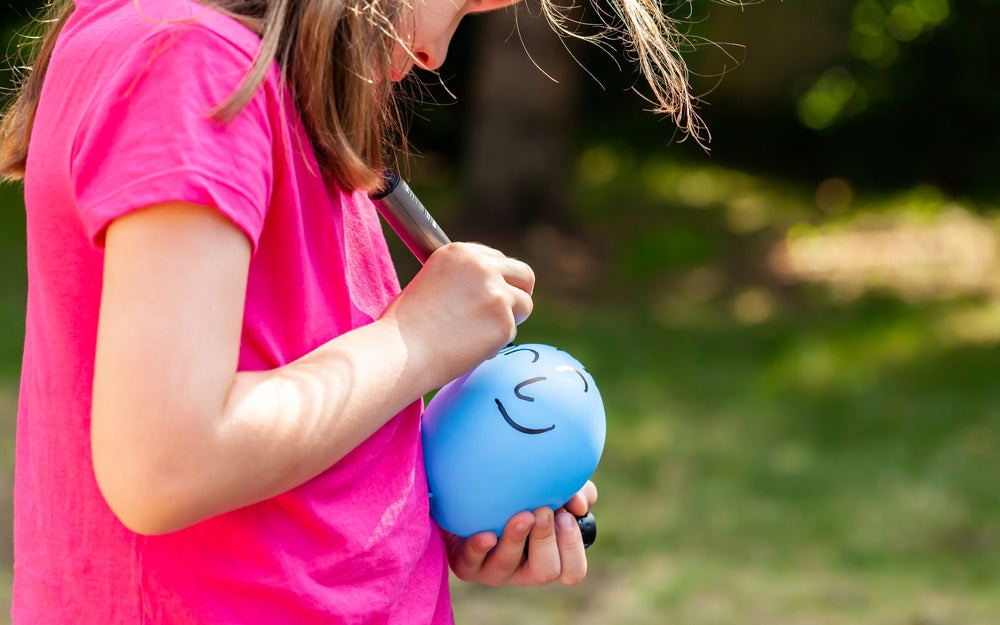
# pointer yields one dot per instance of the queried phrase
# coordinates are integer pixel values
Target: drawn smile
(517, 426)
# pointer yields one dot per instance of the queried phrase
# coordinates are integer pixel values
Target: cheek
(403, 46)
(401, 62)
(433, 20)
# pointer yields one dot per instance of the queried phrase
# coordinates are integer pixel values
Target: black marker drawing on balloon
(517, 389)
(517, 426)
(586, 387)
(505, 352)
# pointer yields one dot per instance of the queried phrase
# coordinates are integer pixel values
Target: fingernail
(564, 521)
(487, 542)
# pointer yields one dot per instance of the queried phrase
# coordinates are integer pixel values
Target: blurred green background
(796, 333)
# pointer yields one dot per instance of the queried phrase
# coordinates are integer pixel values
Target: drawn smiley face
(522, 430)
(521, 394)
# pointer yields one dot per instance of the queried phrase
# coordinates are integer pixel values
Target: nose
(431, 56)
(432, 48)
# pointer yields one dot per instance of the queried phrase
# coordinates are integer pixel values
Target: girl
(219, 407)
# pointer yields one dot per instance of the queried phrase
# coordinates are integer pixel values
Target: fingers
(522, 278)
(583, 500)
(509, 552)
(534, 549)
(506, 557)
(543, 565)
(460, 309)
(572, 557)
(555, 551)
(521, 307)
(519, 275)
(467, 555)
(516, 274)
(506, 282)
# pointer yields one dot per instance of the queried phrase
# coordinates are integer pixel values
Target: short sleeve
(148, 136)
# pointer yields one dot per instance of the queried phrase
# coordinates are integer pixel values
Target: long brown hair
(15, 129)
(331, 54)
(336, 55)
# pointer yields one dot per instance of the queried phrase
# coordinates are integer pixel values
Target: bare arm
(179, 435)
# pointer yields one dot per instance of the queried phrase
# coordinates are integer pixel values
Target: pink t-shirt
(123, 123)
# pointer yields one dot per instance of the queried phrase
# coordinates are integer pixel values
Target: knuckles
(573, 578)
(546, 571)
(487, 296)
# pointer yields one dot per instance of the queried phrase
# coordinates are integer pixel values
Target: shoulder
(126, 30)
(154, 52)
(144, 78)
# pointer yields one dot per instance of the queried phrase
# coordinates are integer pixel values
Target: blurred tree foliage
(15, 14)
(16, 11)
(15, 18)
(892, 93)
(885, 93)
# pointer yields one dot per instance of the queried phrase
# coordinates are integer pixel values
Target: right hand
(461, 309)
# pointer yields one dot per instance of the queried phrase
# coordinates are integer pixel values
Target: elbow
(147, 498)
(143, 517)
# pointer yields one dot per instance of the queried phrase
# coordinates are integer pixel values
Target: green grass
(13, 294)
(778, 453)
(13, 279)
(737, 485)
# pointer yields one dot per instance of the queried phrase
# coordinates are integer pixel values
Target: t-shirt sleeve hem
(176, 185)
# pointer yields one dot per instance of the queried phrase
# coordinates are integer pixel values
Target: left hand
(555, 547)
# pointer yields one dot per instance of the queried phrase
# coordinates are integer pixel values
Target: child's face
(434, 23)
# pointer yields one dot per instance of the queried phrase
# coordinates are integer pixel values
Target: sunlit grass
(781, 449)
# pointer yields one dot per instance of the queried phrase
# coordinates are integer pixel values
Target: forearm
(273, 431)
(307, 415)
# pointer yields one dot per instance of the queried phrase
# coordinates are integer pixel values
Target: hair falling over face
(337, 58)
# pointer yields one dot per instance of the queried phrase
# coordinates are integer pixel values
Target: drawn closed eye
(513, 350)
(520, 395)
(586, 387)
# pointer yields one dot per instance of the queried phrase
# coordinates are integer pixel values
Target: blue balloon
(522, 430)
